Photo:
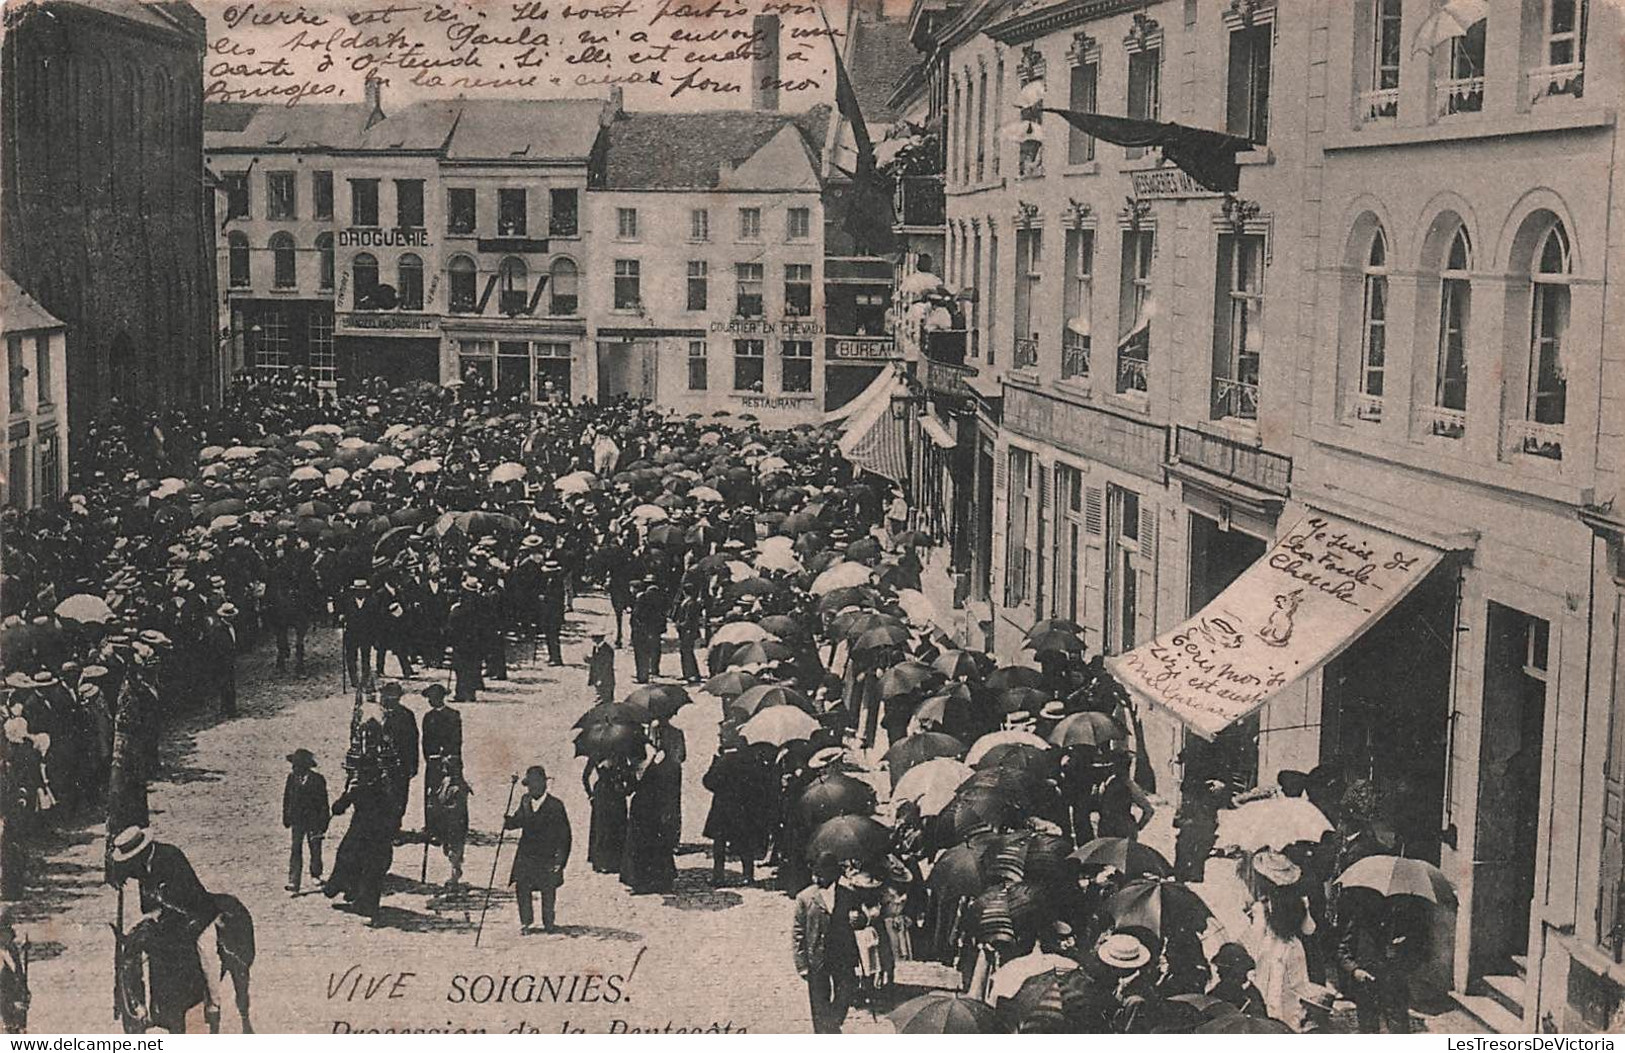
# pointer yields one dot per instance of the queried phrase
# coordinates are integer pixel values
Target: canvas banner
(1316, 590)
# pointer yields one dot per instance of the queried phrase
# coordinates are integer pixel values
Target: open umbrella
(1021, 699)
(1020, 757)
(661, 700)
(907, 677)
(1270, 822)
(766, 696)
(1027, 856)
(1398, 876)
(930, 784)
(86, 609)
(1000, 738)
(426, 466)
(1242, 1024)
(784, 627)
(840, 576)
(1015, 676)
(1158, 905)
(1088, 729)
(1057, 625)
(650, 514)
(1126, 856)
(884, 636)
(730, 683)
(1055, 641)
(941, 1013)
(854, 623)
(782, 562)
(778, 725)
(834, 793)
(854, 838)
(917, 749)
(707, 494)
(305, 474)
(574, 483)
(959, 872)
(760, 652)
(614, 713)
(740, 633)
(507, 472)
(610, 740)
(1017, 971)
(386, 463)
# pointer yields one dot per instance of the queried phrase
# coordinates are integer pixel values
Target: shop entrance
(1217, 558)
(1516, 646)
(1385, 710)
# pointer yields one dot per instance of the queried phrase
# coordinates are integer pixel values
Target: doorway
(1385, 710)
(1217, 557)
(1516, 649)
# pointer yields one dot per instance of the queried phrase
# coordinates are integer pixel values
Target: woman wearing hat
(648, 863)
(1279, 922)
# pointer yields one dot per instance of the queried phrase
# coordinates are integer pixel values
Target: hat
(70, 669)
(1276, 868)
(93, 672)
(826, 756)
(129, 843)
(19, 681)
(1122, 951)
(1233, 956)
(531, 541)
(552, 564)
(534, 774)
(227, 610)
(154, 638)
(44, 678)
(1061, 928)
(391, 689)
(359, 583)
(1053, 710)
(826, 865)
(435, 692)
(302, 758)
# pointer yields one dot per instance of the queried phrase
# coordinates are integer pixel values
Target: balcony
(1132, 374)
(1025, 354)
(1535, 439)
(1460, 95)
(1234, 400)
(1368, 407)
(1379, 105)
(1224, 456)
(918, 201)
(1567, 78)
(1074, 356)
(1443, 421)
(946, 346)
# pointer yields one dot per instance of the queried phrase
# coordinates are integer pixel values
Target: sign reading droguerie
(373, 238)
(1322, 585)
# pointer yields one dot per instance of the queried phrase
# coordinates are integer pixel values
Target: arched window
(1449, 415)
(513, 280)
(364, 275)
(562, 287)
(1373, 330)
(1546, 405)
(284, 269)
(410, 283)
(462, 284)
(324, 253)
(238, 275)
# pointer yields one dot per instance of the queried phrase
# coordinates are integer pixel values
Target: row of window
(38, 462)
(462, 204)
(271, 340)
(1554, 32)
(797, 224)
(750, 365)
(749, 280)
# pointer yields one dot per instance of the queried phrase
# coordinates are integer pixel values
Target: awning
(874, 439)
(1317, 590)
(937, 433)
(882, 387)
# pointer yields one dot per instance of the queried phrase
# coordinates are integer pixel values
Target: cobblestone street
(708, 956)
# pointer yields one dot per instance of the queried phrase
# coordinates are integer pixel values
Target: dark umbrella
(1015, 676)
(614, 713)
(885, 636)
(1015, 699)
(956, 665)
(1031, 761)
(731, 683)
(764, 695)
(851, 624)
(1160, 906)
(667, 534)
(847, 596)
(1058, 625)
(1063, 1002)
(940, 1013)
(760, 652)
(1126, 856)
(661, 700)
(783, 626)
(917, 749)
(850, 837)
(906, 678)
(750, 587)
(832, 794)
(1027, 856)
(610, 740)
(1055, 641)
(960, 871)
(1088, 729)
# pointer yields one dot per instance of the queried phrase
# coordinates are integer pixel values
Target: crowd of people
(916, 799)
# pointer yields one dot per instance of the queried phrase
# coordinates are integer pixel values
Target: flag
(868, 205)
(1207, 156)
(846, 101)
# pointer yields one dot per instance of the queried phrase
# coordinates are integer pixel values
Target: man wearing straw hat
(172, 894)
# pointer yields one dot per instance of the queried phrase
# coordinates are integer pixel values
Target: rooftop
(20, 312)
(699, 151)
(877, 55)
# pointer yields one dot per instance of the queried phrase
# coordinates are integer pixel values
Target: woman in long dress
(606, 783)
(648, 864)
(1280, 920)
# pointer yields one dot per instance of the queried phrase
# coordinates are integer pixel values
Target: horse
(176, 975)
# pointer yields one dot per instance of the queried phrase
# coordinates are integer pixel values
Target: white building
(34, 347)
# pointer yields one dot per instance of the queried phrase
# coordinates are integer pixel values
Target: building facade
(1383, 324)
(708, 262)
(109, 224)
(34, 347)
(442, 242)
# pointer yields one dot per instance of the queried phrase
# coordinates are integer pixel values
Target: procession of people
(915, 800)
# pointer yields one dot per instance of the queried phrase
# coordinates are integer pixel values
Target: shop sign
(775, 402)
(373, 238)
(862, 347)
(764, 327)
(1168, 184)
(1317, 590)
(388, 321)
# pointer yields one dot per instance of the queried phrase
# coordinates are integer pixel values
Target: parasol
(941, 1013)
(931, 784)
(834, 793)
(1000, 738)
(1125, 856)
(507, 472)
(1398, 876)
(778, 725)
(1270, 822)
(853, 838)
(85, 609)
(920, 748)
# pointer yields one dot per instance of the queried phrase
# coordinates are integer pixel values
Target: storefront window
(513, 368)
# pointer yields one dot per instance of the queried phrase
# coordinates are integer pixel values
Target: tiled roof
(877, 56)
(526, 130)
(20, 312)
(172, 16)
(689, 150)
(228, 116)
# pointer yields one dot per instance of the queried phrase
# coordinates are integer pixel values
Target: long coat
(743, 785)
(304, 802)
(544, 843)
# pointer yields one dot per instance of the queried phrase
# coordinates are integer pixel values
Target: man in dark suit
(355, 620)
(825, 950)
(442, 734)
(401, 728)
(1381, 944)
(649, 611)
(305, 814)
(544, 849)
(550, 613)
(601, 667)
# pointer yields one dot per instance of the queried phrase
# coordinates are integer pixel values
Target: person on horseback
(174, 901)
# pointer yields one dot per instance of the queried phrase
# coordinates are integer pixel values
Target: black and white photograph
(546, 518)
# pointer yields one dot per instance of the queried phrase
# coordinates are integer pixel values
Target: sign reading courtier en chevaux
(373, 238)
(1323, 584)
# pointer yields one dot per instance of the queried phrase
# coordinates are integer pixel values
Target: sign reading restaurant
(373, 238)
(1168, 184)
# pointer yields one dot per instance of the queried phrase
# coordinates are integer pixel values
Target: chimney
(614, 107)
(764, 64)
(375, 100)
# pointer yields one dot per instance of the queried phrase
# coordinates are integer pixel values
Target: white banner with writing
(1318, 588)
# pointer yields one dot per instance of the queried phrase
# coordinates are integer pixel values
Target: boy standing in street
(305, 814)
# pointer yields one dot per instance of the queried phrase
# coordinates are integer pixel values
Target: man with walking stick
(544, 849)
(512, 783)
